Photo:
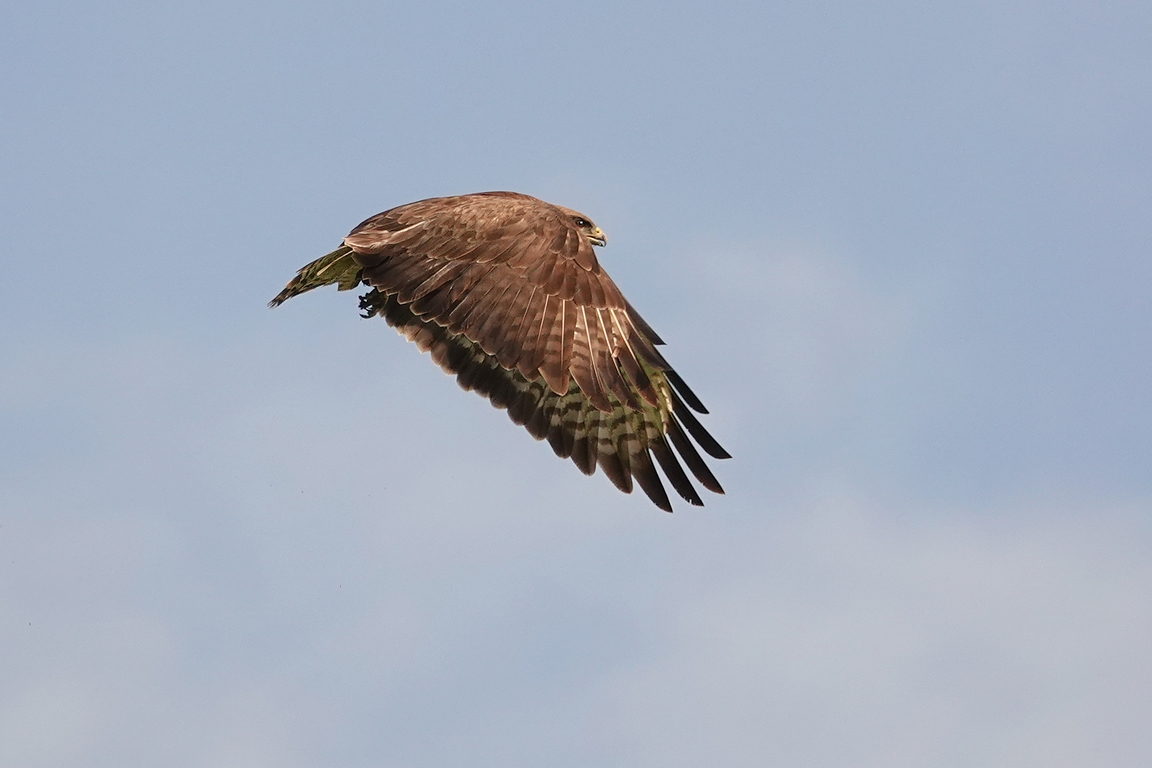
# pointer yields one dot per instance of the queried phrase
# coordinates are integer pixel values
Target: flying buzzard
(505, 292)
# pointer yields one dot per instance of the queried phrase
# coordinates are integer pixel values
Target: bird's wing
(622, 441)
(507, 295)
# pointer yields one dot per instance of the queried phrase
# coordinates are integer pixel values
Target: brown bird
(505, 292)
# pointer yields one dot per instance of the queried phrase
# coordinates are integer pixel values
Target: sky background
(901, 250)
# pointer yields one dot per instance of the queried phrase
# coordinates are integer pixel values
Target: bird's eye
(582, 222)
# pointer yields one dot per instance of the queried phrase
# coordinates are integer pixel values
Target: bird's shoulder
(507, 227)
(480, 215)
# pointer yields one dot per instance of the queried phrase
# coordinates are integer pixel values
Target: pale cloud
(811, 326)
(969, 638)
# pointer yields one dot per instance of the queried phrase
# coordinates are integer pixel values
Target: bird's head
(594, 234)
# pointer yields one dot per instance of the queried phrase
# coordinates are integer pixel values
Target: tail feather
(338, 267)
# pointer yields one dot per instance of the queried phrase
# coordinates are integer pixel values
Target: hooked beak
(598, 237)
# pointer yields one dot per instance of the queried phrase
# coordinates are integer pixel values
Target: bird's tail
(337, 267)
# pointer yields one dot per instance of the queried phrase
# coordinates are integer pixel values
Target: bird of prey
(505, 292)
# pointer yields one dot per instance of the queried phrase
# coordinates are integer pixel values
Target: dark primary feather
(505, 292)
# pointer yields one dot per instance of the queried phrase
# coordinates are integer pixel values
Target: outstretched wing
(506, 293)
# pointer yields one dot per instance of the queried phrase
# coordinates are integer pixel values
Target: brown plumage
(506, 293)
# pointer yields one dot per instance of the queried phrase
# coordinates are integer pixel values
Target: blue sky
(901, 250)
